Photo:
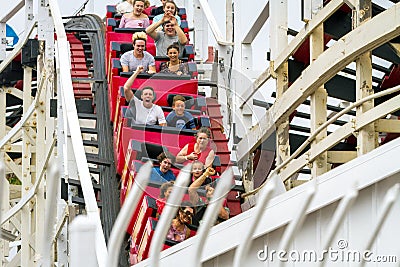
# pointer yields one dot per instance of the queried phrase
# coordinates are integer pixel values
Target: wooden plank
(384, 27)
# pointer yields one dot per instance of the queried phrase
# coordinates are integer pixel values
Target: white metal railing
(171, 207)
(324, 126)
(213, 23)
(211, 214)
(244, 246)
(286, 212)
(125, 215)
(70, 113)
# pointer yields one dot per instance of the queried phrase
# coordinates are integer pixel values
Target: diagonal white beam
(321, 16)
(13, 11)
(28, 30)
(213, 23)
(258, 24)
(63, 68)
(384, 27)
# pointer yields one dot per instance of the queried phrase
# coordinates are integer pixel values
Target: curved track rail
(92, 27)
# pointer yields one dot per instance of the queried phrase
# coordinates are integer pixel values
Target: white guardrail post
(171, 207)
(124, 216)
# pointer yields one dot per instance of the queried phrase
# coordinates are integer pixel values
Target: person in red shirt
(165, 191)
(202, 150)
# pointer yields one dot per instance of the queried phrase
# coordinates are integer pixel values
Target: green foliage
(12, 179)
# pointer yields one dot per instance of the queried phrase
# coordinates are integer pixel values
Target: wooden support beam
(367, 139)
(341, 133)
(318, 100)
(16, 169)
(341, 156)
(385, 26)
(279, 40)
(387, 126)
(288, 50)
(14, 91)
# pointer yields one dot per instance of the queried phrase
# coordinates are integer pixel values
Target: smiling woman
(174, 65)
(202, 150)
(135, 19)
(179, 230)
(170, 8)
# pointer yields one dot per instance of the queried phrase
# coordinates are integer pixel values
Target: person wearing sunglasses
(179, 230)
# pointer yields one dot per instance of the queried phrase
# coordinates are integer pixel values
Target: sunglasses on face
(187, 213)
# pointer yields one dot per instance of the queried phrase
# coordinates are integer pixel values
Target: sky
(67, 8)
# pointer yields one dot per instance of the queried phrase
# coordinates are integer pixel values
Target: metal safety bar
(169, 211)
(223, 187)
(126, 212)
(264, 197)
(345, 204)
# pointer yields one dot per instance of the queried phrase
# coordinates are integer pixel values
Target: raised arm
(210, 159)
(128, 84)
(193, 195)
(181, 35)
(181, 156)
(151, 30)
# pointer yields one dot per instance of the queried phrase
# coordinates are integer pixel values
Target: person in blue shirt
(179, 117)
(163, 172)
(169, 7)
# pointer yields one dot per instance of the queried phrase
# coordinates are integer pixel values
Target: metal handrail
(171, 207)
(390, 199)
(337, 218)
(322, 127)
(244, 245)
(63, 63)
(299, 217)
(224, 184)
(213, 23)
(124, 216)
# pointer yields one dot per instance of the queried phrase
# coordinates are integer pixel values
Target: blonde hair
(139, 36)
